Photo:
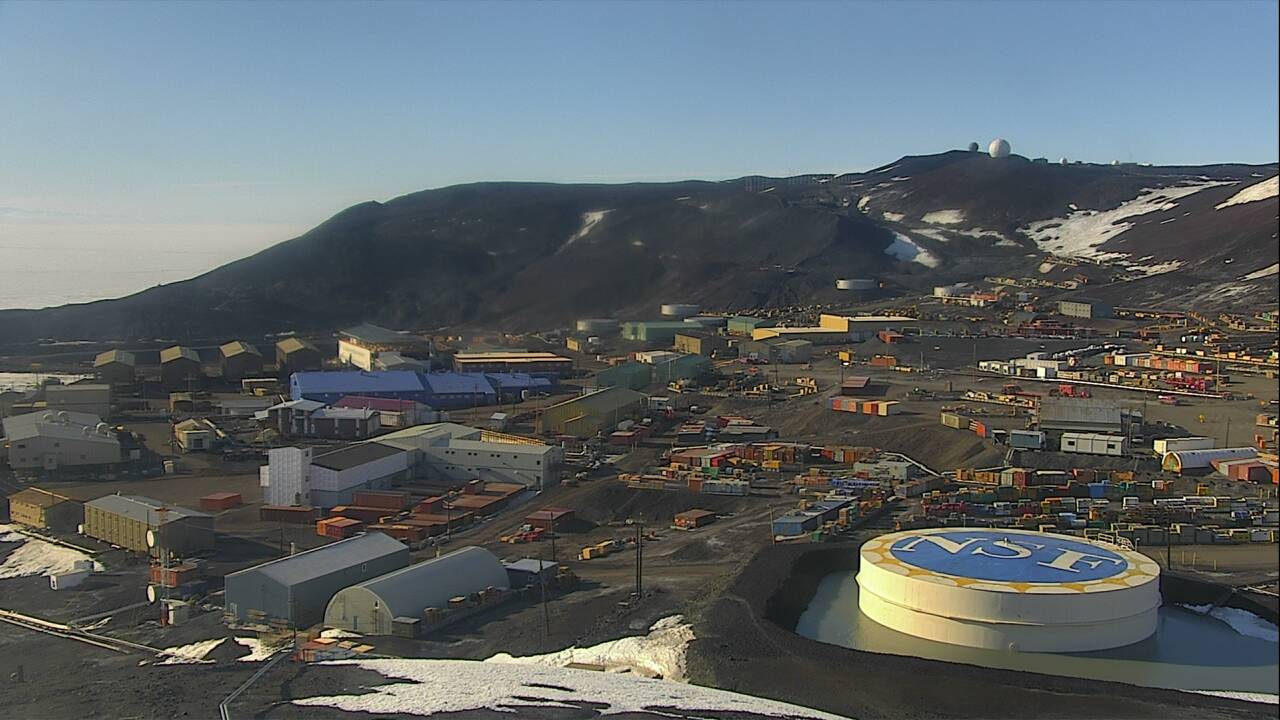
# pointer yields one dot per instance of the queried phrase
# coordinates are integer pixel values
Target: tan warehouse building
(179, 367)
(116, 367)
(296, 355)
(240, 360)
(142, 524)
(45, 510)
(586, 415)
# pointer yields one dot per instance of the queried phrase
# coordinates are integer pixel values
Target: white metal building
(52, 440)
(1095, 444)
(295, 476)
(1007, 589)
(458, 452)
(371, 607)
(89, 398)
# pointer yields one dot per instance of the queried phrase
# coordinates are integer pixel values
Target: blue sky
(259, 120)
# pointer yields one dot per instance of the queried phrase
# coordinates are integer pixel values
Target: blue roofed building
(513, 386)
(440, 391)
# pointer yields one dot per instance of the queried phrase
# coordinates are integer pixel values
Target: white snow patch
(900, 178)
(906, 249)
(193, 653)
(891, 167)
(35, 556)
(445, 686)
(1256, 697)
(258, 650)
(933, 234)
(1046, 267)
(338, 633)
(1081, 232)
(863, 202)
(638, 243)
(1156, 268)
(1263, 273)
(590, 219)
(1166, 222)
(1073, 206)
(1259, 191)
(661, 653)
(1242, 621)
(944, 217)
(1006, 242)
(892, 216)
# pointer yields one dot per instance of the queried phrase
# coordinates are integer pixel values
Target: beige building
(91, 398)
(240, 360)
(143, 525)
(116, 367)
(588, 414)
(179, 367)
(699, 343)
(45, 510)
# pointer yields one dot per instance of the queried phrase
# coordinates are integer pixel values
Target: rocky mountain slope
(528, 255)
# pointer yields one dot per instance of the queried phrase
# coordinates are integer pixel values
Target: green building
(631, 375)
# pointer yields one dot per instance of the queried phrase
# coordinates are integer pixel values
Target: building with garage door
(294, 590)
(116, 367)
(371, 607)
(179, 368)
(239, 360)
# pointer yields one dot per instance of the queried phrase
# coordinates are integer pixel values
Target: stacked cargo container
(866, 407)
(289, 514)
(339, 527)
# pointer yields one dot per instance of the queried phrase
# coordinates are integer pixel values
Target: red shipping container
(390, 500)
(217, 502)
(293, 514)
(363, 514)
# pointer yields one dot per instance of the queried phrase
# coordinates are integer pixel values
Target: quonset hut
(1006, 589)
(372, 606)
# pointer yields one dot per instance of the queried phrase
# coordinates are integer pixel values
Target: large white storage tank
(679, 310)
(857, 284)
(597, 326)
(1007, 589)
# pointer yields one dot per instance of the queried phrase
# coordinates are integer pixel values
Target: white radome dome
(999, 148)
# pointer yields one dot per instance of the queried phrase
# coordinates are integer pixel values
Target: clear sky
(248, 122)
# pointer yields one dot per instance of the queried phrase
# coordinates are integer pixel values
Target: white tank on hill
(999, 148)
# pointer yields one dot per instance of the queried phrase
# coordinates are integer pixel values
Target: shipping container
(290, 514)
(217, 502)
(390, 500)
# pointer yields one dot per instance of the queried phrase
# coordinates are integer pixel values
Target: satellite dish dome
(1062, 161)
(1115, 163)
(973, 147)
(999, 148)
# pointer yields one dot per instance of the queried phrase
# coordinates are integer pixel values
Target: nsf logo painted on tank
(1013, 557)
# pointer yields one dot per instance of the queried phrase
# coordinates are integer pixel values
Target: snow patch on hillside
(892, 216)
(944, 217)
(1156, 268)
(933, 234)
(1258, 191)
(34, 556)
(1263, 273)
(1081, 232)
(661, 653)
(448, 686)
(905, 249)
(590, 219)
(258, 650)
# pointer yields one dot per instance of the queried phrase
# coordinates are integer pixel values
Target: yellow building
(45, 510)
(586, 415)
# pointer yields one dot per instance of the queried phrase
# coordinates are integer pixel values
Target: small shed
(529, 571)
(550, 517)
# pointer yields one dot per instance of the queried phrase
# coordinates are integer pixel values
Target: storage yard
(577, 486)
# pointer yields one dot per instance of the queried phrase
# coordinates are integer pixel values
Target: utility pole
(542, 581)
(639, 558)
(553, 536)
(1227, 440)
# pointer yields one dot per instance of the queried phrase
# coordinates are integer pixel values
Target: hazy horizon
(185, 135)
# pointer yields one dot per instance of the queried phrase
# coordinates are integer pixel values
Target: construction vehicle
(1069, 390)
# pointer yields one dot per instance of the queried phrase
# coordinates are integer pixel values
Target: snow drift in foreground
(1242, 621)
(1258, 191)
(193, 653)
(1080, 233)
(661, 653)
(1246, 696)
(906, 250)
(1265, 272)
(34, 556)
(442, 686)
